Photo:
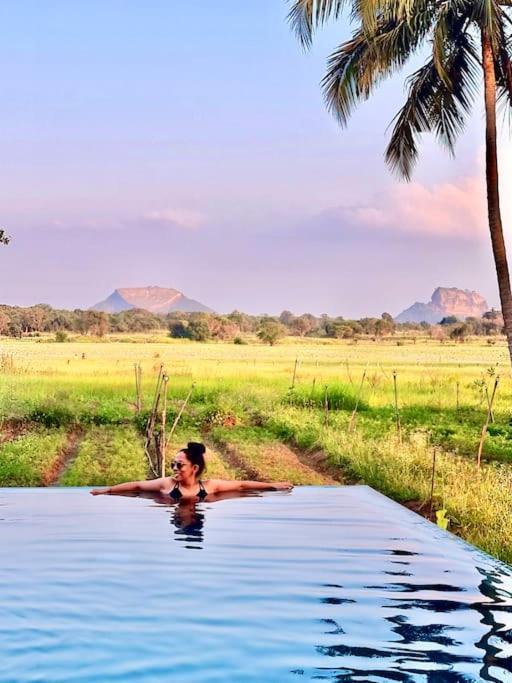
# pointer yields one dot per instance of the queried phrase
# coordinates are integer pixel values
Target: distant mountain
(154, 299)
(445, 301)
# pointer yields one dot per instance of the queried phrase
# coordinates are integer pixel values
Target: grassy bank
(106, 455)
(477, 500)
(31, 459)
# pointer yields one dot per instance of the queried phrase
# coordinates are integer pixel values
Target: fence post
(163, 443)
(434, 453)
(397, 413)
(294, 373)
(351, 424)
(486, 423)
(326, 407)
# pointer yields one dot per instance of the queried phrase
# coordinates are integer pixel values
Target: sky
(187, 145)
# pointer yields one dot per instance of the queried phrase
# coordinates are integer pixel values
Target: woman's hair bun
(196, 447)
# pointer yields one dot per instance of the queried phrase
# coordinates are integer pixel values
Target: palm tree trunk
(493, 196)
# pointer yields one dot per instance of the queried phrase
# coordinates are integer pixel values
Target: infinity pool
(331, 584)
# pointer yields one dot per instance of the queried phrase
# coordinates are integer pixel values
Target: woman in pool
(188, 466)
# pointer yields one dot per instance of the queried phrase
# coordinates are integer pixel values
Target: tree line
(17, 322)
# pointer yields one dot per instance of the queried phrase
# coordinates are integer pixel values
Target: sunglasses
(177, 465)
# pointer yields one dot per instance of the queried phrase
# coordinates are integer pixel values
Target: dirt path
(318, 461)
(233, 459)
(274, 461)
(65, 459)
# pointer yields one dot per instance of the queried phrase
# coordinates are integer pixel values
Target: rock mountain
(445, 301)
(154, 299)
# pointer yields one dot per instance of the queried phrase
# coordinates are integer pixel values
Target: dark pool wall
(334, 584)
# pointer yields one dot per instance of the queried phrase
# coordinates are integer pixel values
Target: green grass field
(68, 417)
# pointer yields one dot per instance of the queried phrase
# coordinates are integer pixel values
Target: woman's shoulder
(168, 483)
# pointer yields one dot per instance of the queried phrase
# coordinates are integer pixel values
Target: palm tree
(469, 41)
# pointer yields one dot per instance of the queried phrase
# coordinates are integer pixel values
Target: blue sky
(187, 145)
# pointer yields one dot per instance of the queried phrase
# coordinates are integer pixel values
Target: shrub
(270, 331)
(52, 414)
(179, 329)
(199, 330)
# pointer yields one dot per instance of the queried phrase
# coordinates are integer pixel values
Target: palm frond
(367, 12)
(439, 44)
(452, 19)
(358, 65)
(347, 79)
(433, 106)
(452, 103)
(305, 16)
(488, 14)
(412, 120)
(370, 12)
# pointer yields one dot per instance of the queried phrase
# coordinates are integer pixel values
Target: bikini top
(176, 494)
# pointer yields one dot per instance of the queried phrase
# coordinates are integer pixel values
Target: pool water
(320, 584)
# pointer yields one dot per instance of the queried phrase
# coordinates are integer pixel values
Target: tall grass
(478, 500)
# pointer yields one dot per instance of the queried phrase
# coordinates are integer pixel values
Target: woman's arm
(224, 486)
(131, 486)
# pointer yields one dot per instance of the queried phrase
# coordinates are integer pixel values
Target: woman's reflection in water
(187, 515)
(189, 522)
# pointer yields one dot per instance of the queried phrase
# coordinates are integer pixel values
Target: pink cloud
(448, 209)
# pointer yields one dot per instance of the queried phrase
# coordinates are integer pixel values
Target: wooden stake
(486, 423)
(140, 386)
(138, 390)
(151, 423)
(294, 373)
(157, 388)
(312, 396)
(158, 448)
(457, 390)
(348, 372)
(489, 403)
(154, 410)
(352, 422)
(180, 413)
(326, 407)
(434, 453)
(163, 443)
(397, 414)
(383, 371)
